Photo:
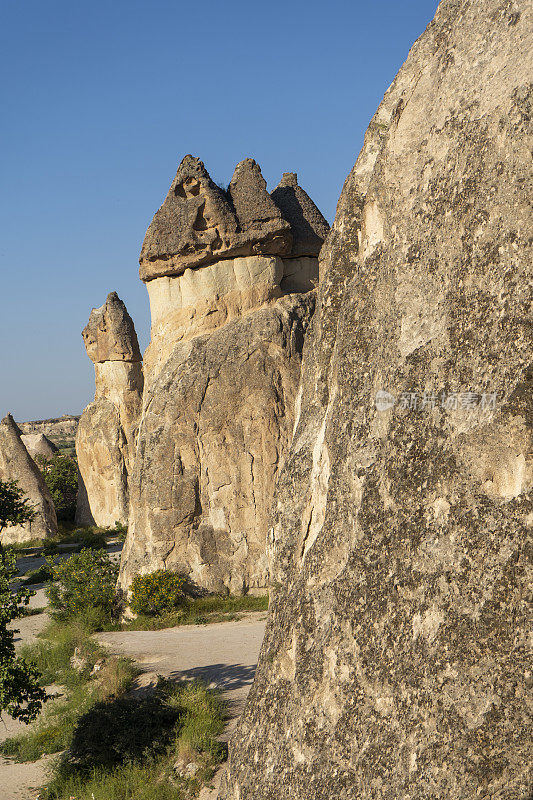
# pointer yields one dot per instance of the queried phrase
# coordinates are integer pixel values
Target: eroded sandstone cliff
(16, 464)
(228, 276)
(395, 661)
(105, 439)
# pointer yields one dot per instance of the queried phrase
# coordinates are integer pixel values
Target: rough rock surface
(200, 223)
(105, 439)
(217, 418)
(395, 663)
(16, 464)
(37, 444)
(110, 333)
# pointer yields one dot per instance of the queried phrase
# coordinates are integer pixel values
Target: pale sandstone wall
(216, 421)
(396, 662)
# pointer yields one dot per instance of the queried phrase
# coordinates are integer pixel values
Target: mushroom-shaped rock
(199, 223)
(110, 334)
(16, 464)
(308, 227)
(105, 439)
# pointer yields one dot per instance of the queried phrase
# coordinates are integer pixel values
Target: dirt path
(223, 655)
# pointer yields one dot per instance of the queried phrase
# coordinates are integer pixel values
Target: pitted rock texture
(105, 439)
(16, 464)
(199, 223)
(395, 662)
(216, 422)
(308, 227)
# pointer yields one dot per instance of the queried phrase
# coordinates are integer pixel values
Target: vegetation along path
(221, 654)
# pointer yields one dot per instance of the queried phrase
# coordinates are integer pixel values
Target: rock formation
(395, 663)
(221, 374)
(17, 465)
(37, 444)
(105, 440)
(61, 431)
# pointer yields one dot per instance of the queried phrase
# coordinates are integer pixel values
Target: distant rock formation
(16, 464)
(37, 444)
(61, 431)
(395, 663)
(105, 440)
(221, 373)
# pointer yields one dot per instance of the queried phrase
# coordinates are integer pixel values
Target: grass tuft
(199, 611)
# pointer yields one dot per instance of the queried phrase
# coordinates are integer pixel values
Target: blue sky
(101, 100)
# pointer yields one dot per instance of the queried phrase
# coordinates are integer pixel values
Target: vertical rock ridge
(395, 660)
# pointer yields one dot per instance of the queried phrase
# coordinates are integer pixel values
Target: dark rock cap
(192, 226)
(308, 226)
(260, 220)
(110, 333)
(200, 223)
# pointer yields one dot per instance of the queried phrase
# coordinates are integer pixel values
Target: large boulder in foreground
(105, 439)
(395, 662)
(16, 464)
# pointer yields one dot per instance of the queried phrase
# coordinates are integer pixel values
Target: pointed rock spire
(260, 221)
(110, 333)
(17, 465)
(309, 228)
(194, 224)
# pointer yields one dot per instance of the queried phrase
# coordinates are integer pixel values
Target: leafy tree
(20, 693)
(15, 509)
(60, 474)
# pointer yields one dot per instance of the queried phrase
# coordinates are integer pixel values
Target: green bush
(157, 593)
(84, 587)
(60, 473)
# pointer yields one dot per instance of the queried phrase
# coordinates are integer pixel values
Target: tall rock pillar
(105, 440)
(221, 374)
